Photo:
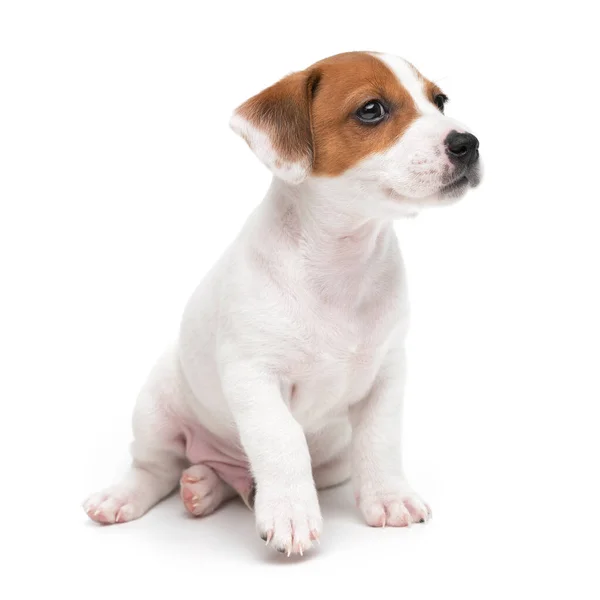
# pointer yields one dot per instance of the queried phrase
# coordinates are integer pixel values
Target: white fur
(293, 345)
(409, 78)
(259, 142)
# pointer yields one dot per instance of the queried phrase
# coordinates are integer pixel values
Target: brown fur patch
(311, 115)
(431, 89)
(346, 82)
(282, 111)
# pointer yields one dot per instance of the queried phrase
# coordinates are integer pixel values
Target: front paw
(288, 519)
(395, 505)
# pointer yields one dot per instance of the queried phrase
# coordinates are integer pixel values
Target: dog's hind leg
(158, 450)
(203, 491)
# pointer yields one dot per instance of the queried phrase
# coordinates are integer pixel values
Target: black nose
(462, 147)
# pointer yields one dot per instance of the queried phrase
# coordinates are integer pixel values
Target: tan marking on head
(430, 89)
(282, 112)
(346, 82)
(310, 116)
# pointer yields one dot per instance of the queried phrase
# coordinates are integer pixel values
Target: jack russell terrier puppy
(289, 370)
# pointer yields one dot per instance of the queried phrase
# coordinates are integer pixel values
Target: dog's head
(371, 120)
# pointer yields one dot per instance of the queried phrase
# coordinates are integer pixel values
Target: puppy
(289, 370)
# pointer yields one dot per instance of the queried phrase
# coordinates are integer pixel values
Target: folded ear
(276, 124)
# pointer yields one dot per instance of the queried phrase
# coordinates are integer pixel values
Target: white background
(120, 184)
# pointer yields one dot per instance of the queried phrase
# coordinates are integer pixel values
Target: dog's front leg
(381, 490)
(286, 504)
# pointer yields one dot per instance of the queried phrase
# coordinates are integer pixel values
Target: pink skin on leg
(224, 460)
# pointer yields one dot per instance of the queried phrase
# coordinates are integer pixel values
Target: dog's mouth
(455, 189)
(455, 186)
(470, 178)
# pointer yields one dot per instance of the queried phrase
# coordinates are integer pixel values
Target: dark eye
(440, 101)
(372, 112)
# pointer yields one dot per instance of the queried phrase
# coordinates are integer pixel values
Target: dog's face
(369, 120)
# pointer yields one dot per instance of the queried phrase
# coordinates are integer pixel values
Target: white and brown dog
(289, 371)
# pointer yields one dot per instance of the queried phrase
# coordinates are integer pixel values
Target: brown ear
(276, 124)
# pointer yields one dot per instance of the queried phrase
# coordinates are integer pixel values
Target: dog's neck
(345, 251)
(322, 212)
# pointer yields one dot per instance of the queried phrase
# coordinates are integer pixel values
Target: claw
(189, 479)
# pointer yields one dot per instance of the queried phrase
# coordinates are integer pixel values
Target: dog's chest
(341, 354)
